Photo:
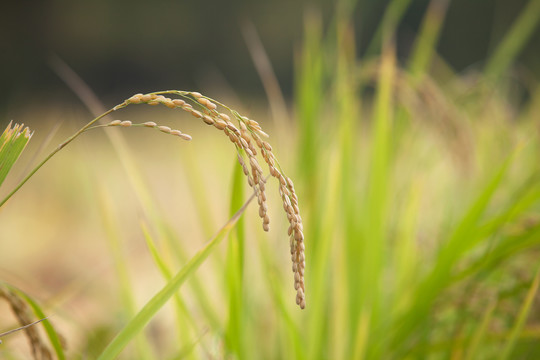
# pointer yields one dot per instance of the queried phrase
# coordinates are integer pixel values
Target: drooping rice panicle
(248, 140)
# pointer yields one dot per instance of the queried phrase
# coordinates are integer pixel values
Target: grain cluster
(250, 142)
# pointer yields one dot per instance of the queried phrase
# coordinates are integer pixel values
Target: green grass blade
(426, 42)
(158, 301)
(234, 270)
(187, 351)
(12, 143)
(158, 259)
(319, 267)
(127, 298)
(405, 251)
(391, 18)
(461, 240)
(522, 317)
(276, 291)
(506, 249)
(181, 309)
(514, 41)
(173, 245)
(374, 225)
(346, 297)
(479, 335)
(521, 202)
(340, 327)
(309, 98)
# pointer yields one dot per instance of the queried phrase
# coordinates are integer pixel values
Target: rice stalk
(248, 140)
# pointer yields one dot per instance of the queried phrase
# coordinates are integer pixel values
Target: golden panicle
(148, 124)
(247, 138)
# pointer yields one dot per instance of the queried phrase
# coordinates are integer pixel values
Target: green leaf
(426, 41)
(183, 315)
(234, 269)
(515, 40)
(126, 293)
(12, 143)
(461, 240)
(146, 314)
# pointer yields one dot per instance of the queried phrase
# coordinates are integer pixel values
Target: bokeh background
(418, 180)
(123, 47)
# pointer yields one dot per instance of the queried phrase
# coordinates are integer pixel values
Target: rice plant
(420, 199)
(248, 142)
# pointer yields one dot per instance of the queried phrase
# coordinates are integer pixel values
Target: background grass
(418, 188)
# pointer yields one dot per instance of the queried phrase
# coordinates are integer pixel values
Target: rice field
(151, 235)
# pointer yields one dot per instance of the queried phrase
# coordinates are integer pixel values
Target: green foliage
(422, 206)
(148, 311)
(234, 273)
(12, 143)
(379, 283)
(514, 41)
(517, 329)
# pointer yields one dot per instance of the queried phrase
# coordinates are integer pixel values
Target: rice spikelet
(247, 138)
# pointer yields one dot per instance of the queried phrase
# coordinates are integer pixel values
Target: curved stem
(60, 147)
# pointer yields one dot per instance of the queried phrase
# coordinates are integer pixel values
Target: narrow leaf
(158, 301)
(522, 317)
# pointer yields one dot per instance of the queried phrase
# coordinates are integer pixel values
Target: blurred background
(124, 47)
(410, 129)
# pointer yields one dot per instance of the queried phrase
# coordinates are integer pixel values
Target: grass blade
(522, 317)
(234, 270)
(346, 278)
(426, 41)
(464, 237)
(181, 309)
(294, 334)
(479, 334)
(392, 16)
(320, 265)
(143, 348)
(309, 98)
(514, 41)
(152, 307)
(374, 226)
